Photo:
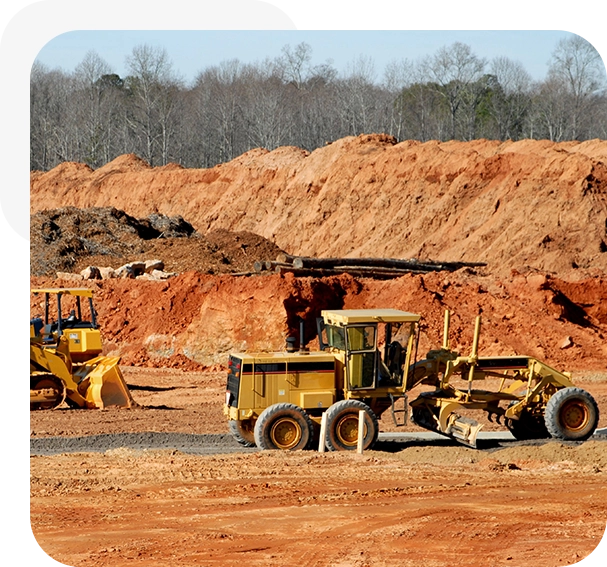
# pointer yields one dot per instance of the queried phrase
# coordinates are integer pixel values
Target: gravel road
(218, 443)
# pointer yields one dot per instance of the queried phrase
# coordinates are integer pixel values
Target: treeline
(92, 115)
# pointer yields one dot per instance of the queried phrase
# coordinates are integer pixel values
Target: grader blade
(105, 384)
(463, 429)
(439, 416)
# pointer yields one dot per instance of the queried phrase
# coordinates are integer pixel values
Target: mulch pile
(69, 239)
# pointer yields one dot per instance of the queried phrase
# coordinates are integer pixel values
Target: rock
(567, 343)
(125, 271)
(162, 275)
(156, 275)
(131, 270)
(151, 265)
(91, 273)
(107, 273)
(69, 276)
(138, 268)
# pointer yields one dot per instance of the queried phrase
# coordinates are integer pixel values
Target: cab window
(335, 337)
(361, 338)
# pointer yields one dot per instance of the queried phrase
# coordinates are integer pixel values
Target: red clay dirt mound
(514, 205)
(198, 319)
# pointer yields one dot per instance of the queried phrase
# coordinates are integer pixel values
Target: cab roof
(350, 316)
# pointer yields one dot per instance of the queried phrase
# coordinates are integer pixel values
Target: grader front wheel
(528, 426)
(342, 426)
(571, 414)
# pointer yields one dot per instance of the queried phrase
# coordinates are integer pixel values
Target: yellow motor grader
(65, 356)
(367, 362)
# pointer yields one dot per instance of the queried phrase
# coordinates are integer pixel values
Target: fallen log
(357, 271)
(284, 258)
(259, 267)
(301, 262)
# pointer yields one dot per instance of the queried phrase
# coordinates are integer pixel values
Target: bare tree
(150, 85)
(93, 113)
(295, 64)
(577, 65)
(398, 75)
(263, 106)
(53, 130)
(357, 96)
(217, 92)
(551, 111)
(455, 69)
(510, 101)
(295, 67)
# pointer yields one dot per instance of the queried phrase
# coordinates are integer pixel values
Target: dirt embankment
(536, 212)
(513, 204)
(196, 319)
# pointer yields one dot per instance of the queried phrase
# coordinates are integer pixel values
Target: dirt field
(534, 212)
(425, 504)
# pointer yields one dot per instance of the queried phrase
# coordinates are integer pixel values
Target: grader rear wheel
(243, 431)
(572, 414)
(283, 426)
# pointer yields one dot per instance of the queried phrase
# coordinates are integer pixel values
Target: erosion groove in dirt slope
(196, 319)
(510, 204)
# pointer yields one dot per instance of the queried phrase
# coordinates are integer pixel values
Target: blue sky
(192, 51)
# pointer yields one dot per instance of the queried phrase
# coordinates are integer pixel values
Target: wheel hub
(286, 433)
(347, 430)
(574, 415)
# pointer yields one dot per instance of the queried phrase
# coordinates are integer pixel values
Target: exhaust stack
(302, 344)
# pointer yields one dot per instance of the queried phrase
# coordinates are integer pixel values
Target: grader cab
(367, 363)
(65, 355)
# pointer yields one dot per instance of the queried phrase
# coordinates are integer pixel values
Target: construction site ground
(120, 487)
(418, 503)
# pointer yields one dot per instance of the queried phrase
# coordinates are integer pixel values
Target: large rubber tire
(342, 426)
(283, 426)
(572, 414)
(243, 432)
(527, 426)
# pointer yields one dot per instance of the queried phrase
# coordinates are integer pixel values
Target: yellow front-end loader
(66, 364)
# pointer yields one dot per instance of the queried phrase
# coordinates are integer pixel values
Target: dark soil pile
(70, 239)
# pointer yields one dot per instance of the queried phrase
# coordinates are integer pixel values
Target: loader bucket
(106, 385)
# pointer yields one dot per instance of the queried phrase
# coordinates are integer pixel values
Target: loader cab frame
(78, 318)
